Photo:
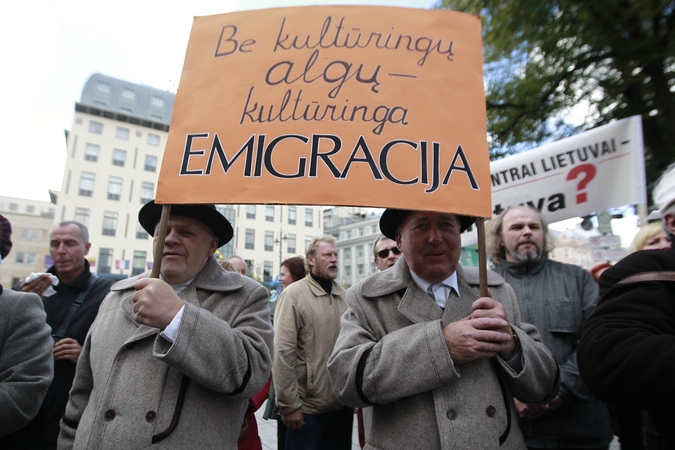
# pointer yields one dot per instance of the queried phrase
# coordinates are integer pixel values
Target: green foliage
(613, 58)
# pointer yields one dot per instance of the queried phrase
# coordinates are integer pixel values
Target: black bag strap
(61, 333)
(649, 276)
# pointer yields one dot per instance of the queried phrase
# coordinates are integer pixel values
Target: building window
(105, 256)
(138, 263)
(122, 133)
(157, 101)
(114, 188)
(91, 152)
(361, 231)
(153, 139)
(359, 251)
(13, 206)
(348, 271)
(290, 242)
(147, 192)
(109, 223)
(250, 211)
(87, 184)
(26, 258)
(82, 216)
(359, 269)
(308, 240)
(95, 127)
(250, 239)
(348, 234)
(373, 229)
(269, 213)
(128, 94)
(30, 234)
(119, 157)
(267, 271)
(150, 163)
(373, 268)
(140, 231)
(30, 208)
(102, 86)
(291, 215)
(269, 241)
(309, 217)
(348, 255)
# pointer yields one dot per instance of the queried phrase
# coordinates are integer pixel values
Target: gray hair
(84, 232)
(496, 251)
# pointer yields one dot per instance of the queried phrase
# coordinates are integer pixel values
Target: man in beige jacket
(306, 325)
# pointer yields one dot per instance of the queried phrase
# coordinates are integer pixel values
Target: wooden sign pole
(161, 236)
(482, 258)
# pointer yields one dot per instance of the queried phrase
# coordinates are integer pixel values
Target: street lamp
(279, 241)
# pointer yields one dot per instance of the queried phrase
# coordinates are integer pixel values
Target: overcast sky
(50, 49)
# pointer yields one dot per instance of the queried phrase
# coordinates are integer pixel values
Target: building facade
(31, 222)
(114, 153)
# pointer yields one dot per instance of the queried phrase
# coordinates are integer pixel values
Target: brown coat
(391, 355)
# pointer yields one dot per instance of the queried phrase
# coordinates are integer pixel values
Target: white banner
(594, 170)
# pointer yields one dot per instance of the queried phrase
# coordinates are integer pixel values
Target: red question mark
(588, 171)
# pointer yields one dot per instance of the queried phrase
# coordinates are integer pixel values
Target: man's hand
(471, 339)
(37, 286)
(67, 349)
(486, 307)
(294, 420)
(155, 302)
(534, 411)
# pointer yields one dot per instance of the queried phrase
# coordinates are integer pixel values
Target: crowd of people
(550, 359)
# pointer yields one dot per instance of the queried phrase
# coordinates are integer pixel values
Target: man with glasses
(386, 252)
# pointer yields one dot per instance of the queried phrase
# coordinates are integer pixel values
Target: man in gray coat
(173, 361)
(26, 364)
(437, 365)
(556, 298)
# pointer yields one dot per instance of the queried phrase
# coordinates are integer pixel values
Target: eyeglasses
(384, 253)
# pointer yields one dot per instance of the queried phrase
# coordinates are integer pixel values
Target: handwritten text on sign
(366, 106)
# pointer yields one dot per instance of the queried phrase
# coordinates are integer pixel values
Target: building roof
(127, 102)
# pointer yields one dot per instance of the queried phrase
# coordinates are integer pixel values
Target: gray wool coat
(127, 386)
(391, 358)
(26, 359)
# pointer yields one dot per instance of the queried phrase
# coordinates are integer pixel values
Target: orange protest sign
(334, 105)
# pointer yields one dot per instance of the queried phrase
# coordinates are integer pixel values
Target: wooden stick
(159, 245)
(482, 257)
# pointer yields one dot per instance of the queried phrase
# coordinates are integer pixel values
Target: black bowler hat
(150, 214)
(391, 218)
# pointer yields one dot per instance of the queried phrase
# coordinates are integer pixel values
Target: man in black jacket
(627, 349)
(68, 245)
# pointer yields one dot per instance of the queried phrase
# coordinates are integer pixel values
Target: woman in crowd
(290, 271)
(650, 237)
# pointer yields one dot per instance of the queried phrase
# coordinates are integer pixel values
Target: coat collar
(211, 278)
(415, 304)
(318, 291)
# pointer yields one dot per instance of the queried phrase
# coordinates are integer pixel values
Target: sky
(50, 49)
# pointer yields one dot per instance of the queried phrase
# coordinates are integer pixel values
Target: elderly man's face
(430, 244)
(522, 235)
(188, 245)
(239, 265)
(389, 249)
